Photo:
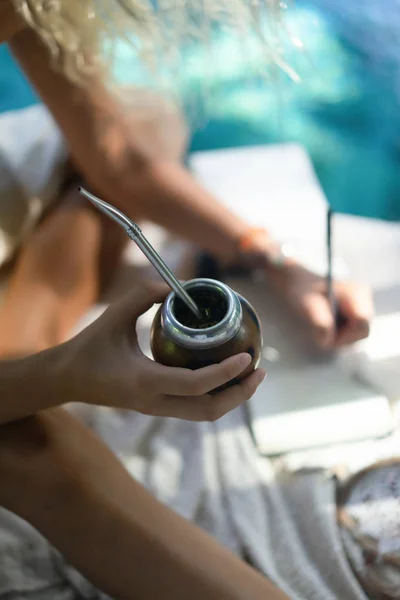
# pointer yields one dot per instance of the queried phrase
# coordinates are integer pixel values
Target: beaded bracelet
(274, 254)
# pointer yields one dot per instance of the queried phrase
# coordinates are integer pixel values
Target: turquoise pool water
(15, 91)
(345, 110)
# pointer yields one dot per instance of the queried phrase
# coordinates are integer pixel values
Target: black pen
(339, 319)
(329, 275)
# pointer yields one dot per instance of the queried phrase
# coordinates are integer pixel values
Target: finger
(211, 407)
(350, 335)
(187, 382)
(352, 332)
(356, 305)
(318, 314)
(139, 301)
(356, 302)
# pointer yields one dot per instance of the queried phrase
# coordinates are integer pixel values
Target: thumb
(138, 301)
(318, 314)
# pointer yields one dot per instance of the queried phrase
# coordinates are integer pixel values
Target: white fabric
(32, 157)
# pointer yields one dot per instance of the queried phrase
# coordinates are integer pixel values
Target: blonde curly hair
(81, 34)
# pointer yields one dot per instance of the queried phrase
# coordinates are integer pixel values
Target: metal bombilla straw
(136, 234)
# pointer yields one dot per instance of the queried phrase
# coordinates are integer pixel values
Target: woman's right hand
(104, 365)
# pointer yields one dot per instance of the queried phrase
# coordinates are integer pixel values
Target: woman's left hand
(307, 295)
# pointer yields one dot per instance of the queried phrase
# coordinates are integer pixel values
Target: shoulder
(10, 21)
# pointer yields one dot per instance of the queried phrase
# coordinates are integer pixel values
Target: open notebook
(308, 399)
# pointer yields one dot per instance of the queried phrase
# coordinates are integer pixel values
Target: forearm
(112, 153)
(116, 156)
(121, 538)
(10, 21)
(30, 384)
(174, 199)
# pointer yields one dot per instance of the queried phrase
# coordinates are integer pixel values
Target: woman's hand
(105, 366)
(307, 295)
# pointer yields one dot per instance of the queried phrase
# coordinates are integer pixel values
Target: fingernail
(244, 360)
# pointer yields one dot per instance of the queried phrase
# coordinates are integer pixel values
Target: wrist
(257, 250)
(31, 384)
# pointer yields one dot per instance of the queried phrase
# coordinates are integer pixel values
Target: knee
(71, 237)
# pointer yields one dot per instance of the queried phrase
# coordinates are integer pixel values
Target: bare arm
(121, 538)
(28, 385)
(10, 22)
(115, 158)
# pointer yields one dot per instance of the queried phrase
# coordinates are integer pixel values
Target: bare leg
(58, 276)
(68, 484)
(73, 254)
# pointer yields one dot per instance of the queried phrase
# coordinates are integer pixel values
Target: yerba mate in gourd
(230, 326)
